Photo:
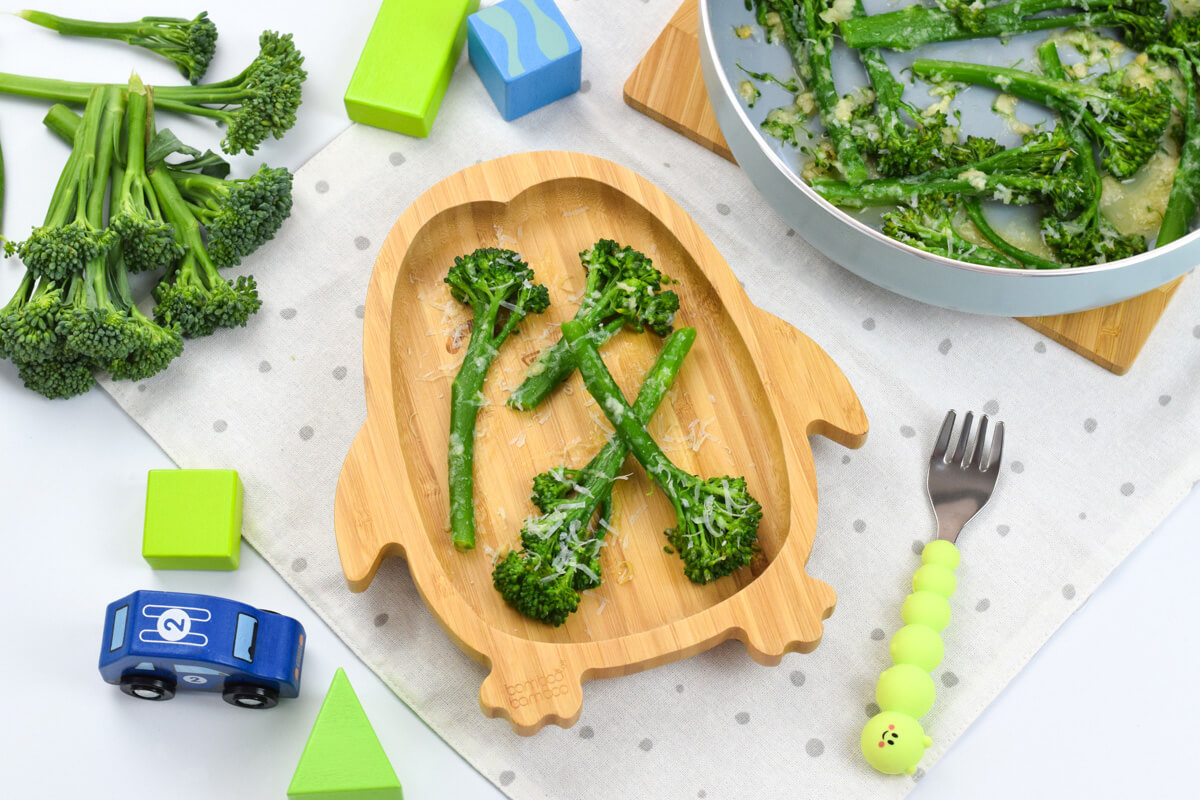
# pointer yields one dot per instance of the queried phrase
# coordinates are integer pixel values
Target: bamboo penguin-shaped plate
(750, 393)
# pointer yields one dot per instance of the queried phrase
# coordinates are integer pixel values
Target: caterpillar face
(894, 743)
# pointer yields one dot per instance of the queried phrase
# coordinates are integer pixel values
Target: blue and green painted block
(525, 53)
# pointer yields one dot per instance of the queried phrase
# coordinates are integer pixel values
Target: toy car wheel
(247, 695)
(148, 687)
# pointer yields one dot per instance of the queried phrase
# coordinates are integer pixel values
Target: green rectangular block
(193, 519)
(406, 65)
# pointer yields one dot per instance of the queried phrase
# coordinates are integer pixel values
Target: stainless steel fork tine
(943, 440)
(964, 438)
(997, 448)
(980, 440)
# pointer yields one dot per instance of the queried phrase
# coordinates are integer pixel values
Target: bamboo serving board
(668, 87)
(723, 416)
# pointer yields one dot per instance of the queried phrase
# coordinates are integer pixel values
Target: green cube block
(406, 65)
(193, 519)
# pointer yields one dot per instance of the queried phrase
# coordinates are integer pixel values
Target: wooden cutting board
(668, 87)
(750, 393)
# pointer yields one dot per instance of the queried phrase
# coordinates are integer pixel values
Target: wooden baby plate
(751, 392)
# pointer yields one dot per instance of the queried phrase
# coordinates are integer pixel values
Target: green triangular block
(343, 759)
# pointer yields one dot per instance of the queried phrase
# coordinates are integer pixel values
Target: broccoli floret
(239, 215)
(155, 346)
(1089, 238)
(1031, 173)
(716, 531)
(499, 288)
(560, 550)
(57, 378)
(189, 43)
(1126, 121)
(1142, 21)
(259, 102)
(29, 323)
(193, 297)
(552, 486)
(622, 289)
(933, 225)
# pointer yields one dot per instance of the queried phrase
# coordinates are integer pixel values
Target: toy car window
(118, 632)
(245, 638)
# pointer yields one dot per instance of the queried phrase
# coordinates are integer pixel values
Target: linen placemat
(1094, 462)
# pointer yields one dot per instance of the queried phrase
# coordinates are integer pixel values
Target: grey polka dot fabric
(287, 428)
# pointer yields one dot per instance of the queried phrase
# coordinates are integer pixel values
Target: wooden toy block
(193, 519)
(525, 54)
(343, 760)
(406, 64)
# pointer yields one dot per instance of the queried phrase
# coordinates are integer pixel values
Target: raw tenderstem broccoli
(68, 239)
(238, 215)
(188, 43)
(1142, 21)
(623, 289)
(1089, 238)
(499, 288)
(717, 519)
(1126, 121)
(1022, 175)
(193, 297)
(560, 553)
(259, 102)
(58, 329)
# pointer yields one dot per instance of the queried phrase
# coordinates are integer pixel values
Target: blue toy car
(156, 642)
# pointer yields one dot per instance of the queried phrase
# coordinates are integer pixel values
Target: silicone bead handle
(893, 741)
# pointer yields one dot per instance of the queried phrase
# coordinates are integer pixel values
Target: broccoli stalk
(622, 289)
(1142, 21)
(1185, 190)
(493, 283)
(1133, 118)
(193, 297)
(189, 43)
(560, 553)
(717, 520)
(68, 239)
(238, 215)
(1023, 258)
(262, 100)
(1027, 174)
(1089, 238)
(147, 241)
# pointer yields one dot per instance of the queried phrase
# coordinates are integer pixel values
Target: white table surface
(1098, 712)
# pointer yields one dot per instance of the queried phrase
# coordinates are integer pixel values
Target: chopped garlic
(743, 31)
(975, 178)
(749, 93)
(840, 11)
